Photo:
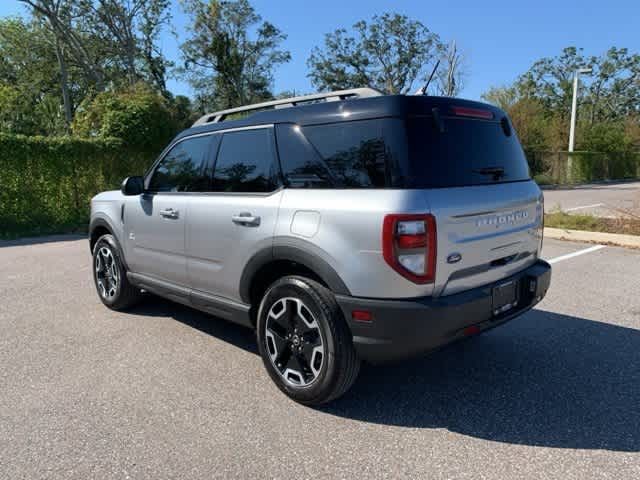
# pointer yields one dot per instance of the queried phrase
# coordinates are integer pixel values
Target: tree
(614, 91)
(504, 97)
(62, 17)
(137, 115)
(128, 31)
(231, 54)
(29, 79)
(390, 53)
(450, 73)
(100, 44)
(539, 102)
(610, 92)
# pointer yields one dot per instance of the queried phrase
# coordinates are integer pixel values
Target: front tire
(110, 275)
(304, 341)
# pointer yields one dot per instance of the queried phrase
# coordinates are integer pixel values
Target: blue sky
(501, 39)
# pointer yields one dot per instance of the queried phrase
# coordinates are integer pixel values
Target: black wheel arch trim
(298, 251)
(101, 222)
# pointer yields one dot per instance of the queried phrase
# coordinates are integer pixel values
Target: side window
(183, 169)
(302, 167)
(246, 162)
(355, 152)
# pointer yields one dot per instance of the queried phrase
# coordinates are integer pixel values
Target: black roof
(346, 110)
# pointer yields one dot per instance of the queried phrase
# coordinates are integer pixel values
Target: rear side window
(302, 167)
(183, 168)
(453, 151)
(356, 153)
(246, 162)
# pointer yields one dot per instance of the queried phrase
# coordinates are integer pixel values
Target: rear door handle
(246, 219)
(169, 213)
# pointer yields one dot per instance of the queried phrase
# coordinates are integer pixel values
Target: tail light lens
(409, 246)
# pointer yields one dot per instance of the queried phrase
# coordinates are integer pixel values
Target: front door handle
(169, 213)
(246, 219)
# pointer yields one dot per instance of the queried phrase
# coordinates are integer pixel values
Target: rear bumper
(404, 328)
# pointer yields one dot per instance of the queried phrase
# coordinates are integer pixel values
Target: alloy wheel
(107, 275)
(294, 342)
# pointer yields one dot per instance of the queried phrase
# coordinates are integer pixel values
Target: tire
(304, 341)
(110, 275)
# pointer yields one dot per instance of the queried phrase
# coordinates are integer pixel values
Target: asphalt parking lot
(612, 199)
(167, 392)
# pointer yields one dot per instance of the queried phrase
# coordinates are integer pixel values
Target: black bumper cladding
(404, 328)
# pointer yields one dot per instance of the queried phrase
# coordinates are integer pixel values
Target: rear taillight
(409, 246)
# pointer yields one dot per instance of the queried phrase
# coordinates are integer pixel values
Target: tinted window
(462, 152)
(246, 163)
(183, 168)
(356, 153)
(302, 167)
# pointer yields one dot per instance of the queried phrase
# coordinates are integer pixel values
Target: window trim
(275, 157)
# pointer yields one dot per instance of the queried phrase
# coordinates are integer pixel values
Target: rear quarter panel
(344, 227)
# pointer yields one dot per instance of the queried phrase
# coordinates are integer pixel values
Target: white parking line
(575, 254)
(586, 206)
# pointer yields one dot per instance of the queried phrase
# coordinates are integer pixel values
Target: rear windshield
(415, 152)
(454, 151)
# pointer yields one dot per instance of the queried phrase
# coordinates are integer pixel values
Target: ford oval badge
(454, 258)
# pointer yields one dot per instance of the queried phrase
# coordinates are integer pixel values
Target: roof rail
(220, 116)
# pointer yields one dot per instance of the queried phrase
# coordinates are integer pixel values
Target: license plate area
(505, 297)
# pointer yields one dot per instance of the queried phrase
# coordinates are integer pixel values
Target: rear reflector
(361, 315)
(472, 112)
(472, 330)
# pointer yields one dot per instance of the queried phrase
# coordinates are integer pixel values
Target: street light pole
(574, 106)
(572, 128)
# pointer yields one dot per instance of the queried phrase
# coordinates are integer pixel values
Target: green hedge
(553, 167)
(46, 183)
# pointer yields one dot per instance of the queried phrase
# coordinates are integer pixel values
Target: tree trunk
(64, 86)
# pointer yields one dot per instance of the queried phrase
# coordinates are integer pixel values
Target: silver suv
(341, 227)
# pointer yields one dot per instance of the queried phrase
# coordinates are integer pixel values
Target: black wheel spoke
(283, 359)
(307, 352)
(279, 341)
(311, 337)
(298, 364)
(294, 341)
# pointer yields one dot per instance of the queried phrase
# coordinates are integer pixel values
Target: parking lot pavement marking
(575, 254)
(583, 207)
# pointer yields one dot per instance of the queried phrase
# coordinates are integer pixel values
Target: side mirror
(132, 186)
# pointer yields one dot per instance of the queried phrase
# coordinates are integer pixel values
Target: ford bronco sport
(342, 227)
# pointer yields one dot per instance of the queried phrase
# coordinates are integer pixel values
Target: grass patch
(592, 224)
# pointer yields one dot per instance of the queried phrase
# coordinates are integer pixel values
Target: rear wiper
(496, 172)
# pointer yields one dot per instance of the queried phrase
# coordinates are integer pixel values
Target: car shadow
(544, 379)
(237, 335)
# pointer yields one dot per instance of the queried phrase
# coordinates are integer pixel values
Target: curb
(629, 241)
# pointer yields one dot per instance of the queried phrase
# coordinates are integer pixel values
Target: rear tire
(304, 341)
(110, 275)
